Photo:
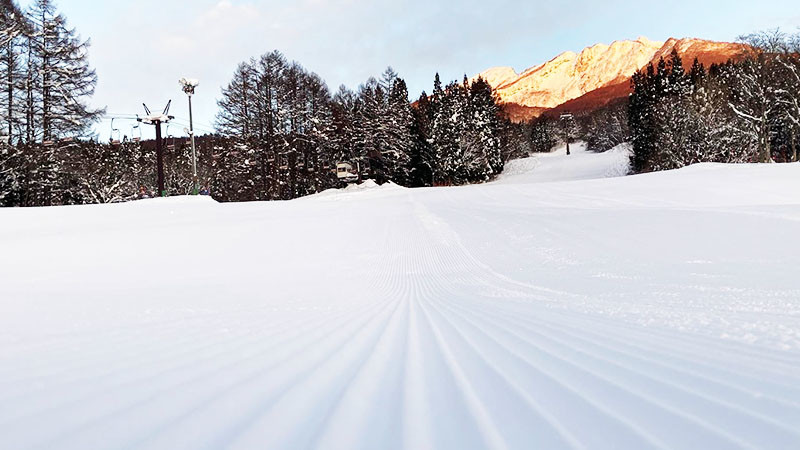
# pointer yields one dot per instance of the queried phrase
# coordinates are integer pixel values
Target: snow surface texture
(558, 166)
(647, 311)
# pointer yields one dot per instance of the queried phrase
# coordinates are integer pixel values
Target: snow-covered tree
(446, 134)
(11, 175)
(607, 128)
(235, 114)
(485, 123)
(753, 99)
(13, 28)
(65, 80)
(544, 134)
(400, 142)
(421, 159)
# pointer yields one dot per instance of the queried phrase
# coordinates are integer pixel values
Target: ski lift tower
(189, 85)
(566, 122)
(156, 120)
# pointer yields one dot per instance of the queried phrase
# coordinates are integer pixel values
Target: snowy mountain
(603, 70)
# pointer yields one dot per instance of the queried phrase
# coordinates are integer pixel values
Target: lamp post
(189, 86)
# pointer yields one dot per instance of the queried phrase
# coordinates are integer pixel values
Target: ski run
(562, 306)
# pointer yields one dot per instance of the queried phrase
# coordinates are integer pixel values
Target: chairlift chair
(346, 173)
(283, 161)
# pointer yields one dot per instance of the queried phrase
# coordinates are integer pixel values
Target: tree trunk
(10, 80)
(46, 125)
(29, 95)
(766, 155)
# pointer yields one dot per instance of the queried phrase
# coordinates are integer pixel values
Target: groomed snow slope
(629, 313)
(580, 164)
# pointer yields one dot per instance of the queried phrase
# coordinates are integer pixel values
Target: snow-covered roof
(189, 82)
(158, 117)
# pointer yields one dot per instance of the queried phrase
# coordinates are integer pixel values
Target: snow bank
(367, 186)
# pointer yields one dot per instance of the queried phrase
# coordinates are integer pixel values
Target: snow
(156, 117)
(190, 82)
(346, 192)
(657, 310)
(571, 75)
(581, 164)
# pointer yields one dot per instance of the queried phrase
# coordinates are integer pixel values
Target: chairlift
(114, 130)
(171, 146)
(136, 127)
(346, 173)
(283, 161)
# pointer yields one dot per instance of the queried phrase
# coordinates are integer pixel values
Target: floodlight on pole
(189, 85)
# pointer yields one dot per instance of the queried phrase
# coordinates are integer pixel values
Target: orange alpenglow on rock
(594, 77)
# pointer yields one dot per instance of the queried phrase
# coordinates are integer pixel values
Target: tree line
(290, 131)
(744, 110)
(45, 84)
(46, 78)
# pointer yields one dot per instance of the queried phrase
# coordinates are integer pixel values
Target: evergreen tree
(543, 135)
(421, 161)
(485, 159)
(607, 127)
(753, 99)
(445, 134)
(11, 175)
(640, 120)
(400, 142)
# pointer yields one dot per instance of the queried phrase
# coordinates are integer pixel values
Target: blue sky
(141, 48)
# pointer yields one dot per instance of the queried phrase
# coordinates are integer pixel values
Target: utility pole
(157, 120)
(189, 86)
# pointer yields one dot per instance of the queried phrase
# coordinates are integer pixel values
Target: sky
(141, 48)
